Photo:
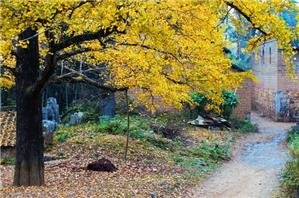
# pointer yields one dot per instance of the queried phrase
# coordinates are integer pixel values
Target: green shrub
(230, 101)
(293, 142)
(244, 126)
(294, 146)
(8, 160)
(90, 110)
(291, 177)
(201, 102)
(290, 181)
(115, 126)
(61, 135)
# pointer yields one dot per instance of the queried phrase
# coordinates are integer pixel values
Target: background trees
(162, 48)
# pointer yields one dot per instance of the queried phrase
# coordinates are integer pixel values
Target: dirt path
(255, 168)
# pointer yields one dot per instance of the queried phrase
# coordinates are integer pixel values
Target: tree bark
(29, 169)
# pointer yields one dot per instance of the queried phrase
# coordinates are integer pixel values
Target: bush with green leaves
(230, 101)
(89, 108)
(291, 177)
(290, 183)
(243, 126)
(293, 142)
(201, 102)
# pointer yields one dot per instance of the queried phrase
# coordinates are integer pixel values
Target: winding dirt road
(255, 168)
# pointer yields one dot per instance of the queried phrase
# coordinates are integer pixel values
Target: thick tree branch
(85, 37)
(246, 17)
(46, 74)
(51, 60)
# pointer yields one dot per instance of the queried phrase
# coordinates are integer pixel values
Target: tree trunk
(29, 169)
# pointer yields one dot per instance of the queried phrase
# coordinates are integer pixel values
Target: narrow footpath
(256, 166)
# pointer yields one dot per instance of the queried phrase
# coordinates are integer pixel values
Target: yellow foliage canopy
(165, 48)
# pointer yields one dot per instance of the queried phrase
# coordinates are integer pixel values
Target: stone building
(275, 94)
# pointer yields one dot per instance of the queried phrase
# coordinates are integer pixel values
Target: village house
(275, 94)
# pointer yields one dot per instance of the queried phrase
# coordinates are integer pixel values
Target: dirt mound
(102, 165)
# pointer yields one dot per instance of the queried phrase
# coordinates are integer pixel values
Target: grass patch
(214, 151)
(7, 160)
(195, 165)
(203, 151)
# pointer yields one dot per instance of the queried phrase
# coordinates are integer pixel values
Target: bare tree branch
(153, 48)
(73, 77)
(73, 53)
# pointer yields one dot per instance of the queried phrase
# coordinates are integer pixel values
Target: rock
(50, 158)
(199, 121)
(51, 119)
(48, 130)
(76, 118)
(210, 122)
(154, 195)
(102, 164)
(51, 110)
(49, 126)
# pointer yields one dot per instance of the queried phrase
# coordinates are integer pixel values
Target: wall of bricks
(263, 101)
(284, 81)
(242, 111)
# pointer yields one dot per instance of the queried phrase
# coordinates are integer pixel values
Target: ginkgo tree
(163, 48)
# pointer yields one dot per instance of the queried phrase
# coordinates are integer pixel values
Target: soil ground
(255, 168)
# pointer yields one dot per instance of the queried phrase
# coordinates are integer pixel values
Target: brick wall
(263, 101)
(242, 111)
(264, 66)
(285, 83)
